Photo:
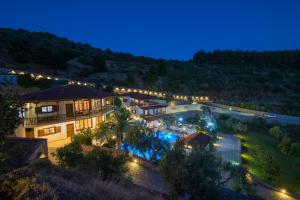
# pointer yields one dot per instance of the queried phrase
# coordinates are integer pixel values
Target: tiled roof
(65, 92)
(197, 139)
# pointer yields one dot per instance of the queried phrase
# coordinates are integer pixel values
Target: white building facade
(61, 112)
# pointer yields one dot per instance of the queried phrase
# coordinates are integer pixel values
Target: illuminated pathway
(146, 177)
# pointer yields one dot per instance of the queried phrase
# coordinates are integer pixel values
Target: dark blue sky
(162, 28)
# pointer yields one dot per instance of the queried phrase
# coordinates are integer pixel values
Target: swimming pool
(169, 137)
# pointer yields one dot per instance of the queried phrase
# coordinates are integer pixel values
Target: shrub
(295, 149)
(276, 132)
(70, 155)
(223, 117)
(259, 123)
(105, 164)
(239, 127)
(285, 145)
(267, 163)
(83, 137)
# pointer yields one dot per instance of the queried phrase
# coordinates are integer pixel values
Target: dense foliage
(146, 142)
(102, 163)
(9, 121)
(261, 80)
(198, 173)
(284, 59)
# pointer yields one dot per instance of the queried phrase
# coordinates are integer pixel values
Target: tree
(239, 127)
(172, 168)
(190, 100)
(285, 145)
(295, 149)
(85, 136)
(271, 167)
(276, 132)
(9, 114)
(117, 102)
(266, 161)
(10, 119)
(204, 174)
(155, 147)
(70, 156)
(145, 140)
(135, 136)
(104, 133)
(169, 120)
(106, 164)
(99, 63)
(120, 122)
(198, 173)
(169, 97)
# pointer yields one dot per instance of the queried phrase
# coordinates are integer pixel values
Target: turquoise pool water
(169, 137)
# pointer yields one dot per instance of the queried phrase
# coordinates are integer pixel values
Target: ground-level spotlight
(283, 191)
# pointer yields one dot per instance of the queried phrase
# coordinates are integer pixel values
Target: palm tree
(120, 122)
(104, 132)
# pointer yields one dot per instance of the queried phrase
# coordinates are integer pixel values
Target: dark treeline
(52, 51)
(287, 58)
(262, 80)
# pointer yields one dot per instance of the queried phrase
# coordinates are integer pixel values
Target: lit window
(84, 123)
(82, 105)
(49, 131)
(47, 109)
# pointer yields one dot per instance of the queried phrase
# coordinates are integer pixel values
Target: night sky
(162, 28)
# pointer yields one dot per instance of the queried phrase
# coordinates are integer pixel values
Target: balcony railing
(63, 117)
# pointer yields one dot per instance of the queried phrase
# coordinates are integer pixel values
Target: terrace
(42, 120)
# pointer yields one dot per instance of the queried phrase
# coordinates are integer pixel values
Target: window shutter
(40, 132)
(57, 129)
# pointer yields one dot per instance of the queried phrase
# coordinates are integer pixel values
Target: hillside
(268, 81)
(42, 180)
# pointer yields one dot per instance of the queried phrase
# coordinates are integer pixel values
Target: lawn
(290, 166)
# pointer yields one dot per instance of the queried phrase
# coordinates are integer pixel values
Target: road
(243, 113)
(271, 117)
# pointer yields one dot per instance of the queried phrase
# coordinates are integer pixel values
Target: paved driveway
(147, 178)
(228, 146)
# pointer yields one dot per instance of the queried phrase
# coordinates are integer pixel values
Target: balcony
(44, 120)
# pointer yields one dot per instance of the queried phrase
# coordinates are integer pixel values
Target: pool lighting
(180, 119)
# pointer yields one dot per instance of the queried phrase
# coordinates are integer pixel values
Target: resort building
(62, 111)
(143, 105)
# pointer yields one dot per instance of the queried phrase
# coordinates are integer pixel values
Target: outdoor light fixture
(180, 119)
(283, 191)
